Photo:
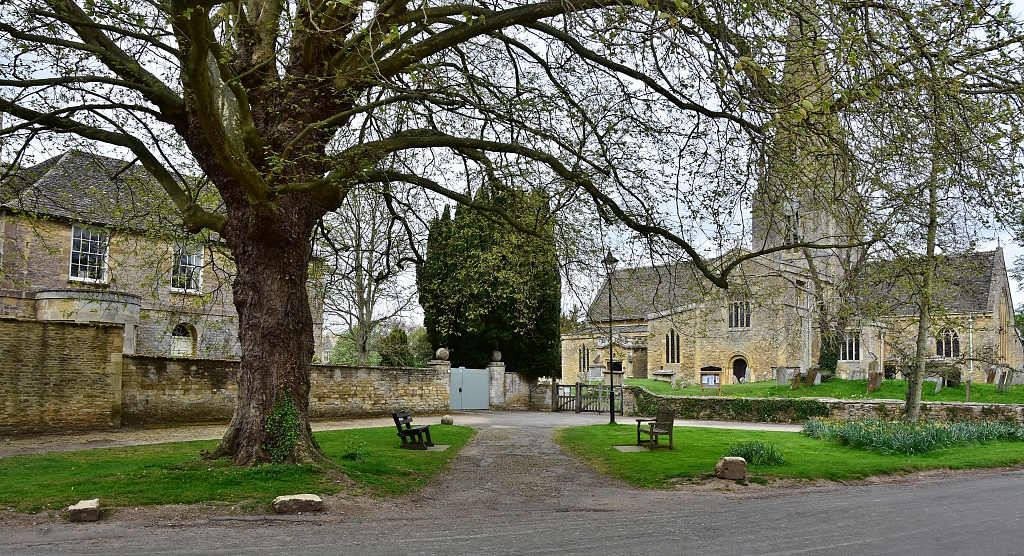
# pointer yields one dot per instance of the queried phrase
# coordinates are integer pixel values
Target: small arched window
(671, 347)
(947, 344)
(584, 353)
(183, 342)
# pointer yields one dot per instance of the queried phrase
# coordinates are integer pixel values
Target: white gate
(469, 388)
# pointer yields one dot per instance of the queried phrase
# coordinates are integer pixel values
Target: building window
(584, 359)
(88, 255)
(947, 344)
(183, 342)
(739, 314)
(187, 270)
(671, 347)
(792, 222)
(849, 349)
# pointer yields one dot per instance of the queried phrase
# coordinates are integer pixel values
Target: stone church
(667, 321)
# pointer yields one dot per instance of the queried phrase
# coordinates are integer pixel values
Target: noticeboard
(711, 379)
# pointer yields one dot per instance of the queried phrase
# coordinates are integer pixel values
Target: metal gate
(469, 388)
(581, 397)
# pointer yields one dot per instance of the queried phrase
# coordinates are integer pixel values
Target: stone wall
(158, 390)
(340, 391)
(59, 376)
(797, 410)
(171, 390)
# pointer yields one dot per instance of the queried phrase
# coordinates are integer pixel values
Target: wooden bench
(413, 437)
(656, 428)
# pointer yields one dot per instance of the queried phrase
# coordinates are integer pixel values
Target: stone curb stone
(298, 503)
(731, 468)
(85, 510)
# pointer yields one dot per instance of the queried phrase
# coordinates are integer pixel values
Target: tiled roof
(638, 292)
(963, 284)
(91, 189)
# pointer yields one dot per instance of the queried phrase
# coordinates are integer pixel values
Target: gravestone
(812, 378)
(1000, 381)
(938, 385)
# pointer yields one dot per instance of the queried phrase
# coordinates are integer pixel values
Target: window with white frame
(849, 349)
(672, 347)
(739, 314)
(947, 344)
(187, 269)
(88, 255)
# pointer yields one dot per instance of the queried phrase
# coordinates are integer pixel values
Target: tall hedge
(485, 285)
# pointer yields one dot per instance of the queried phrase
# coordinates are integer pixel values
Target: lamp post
(609, 264)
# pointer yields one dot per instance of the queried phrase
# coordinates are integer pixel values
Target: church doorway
(739, 370)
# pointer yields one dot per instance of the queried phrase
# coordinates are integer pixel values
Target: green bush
(901, 437)
(757, 453)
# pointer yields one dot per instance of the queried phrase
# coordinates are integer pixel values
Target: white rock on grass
(85, 510)
(298, 503)
(731, 468)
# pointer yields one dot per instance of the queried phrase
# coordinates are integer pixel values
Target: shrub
(757, 453)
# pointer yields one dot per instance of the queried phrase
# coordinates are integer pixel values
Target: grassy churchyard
(843, 389)
(368, 461)
(698, 449)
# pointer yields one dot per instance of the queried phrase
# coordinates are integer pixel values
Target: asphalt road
(514, 492)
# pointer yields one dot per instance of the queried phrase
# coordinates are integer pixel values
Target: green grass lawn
(174, 473)
(843, 389)
(698, 449)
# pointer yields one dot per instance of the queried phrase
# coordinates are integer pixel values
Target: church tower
(804, 192)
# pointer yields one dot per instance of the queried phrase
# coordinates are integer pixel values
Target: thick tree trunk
(276, 334)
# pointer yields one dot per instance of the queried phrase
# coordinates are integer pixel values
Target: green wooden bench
(656, 428)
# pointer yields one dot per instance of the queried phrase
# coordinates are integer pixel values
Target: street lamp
(609, 263)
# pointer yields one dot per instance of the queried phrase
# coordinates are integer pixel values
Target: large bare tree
(645, 111)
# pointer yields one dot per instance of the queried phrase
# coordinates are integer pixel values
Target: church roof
(964, 283)
(638, 292)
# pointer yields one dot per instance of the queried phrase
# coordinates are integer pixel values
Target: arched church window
(947, 344)
(672, 347)
(791, 219)
(849, 349)
(584, 353)
(739, 314)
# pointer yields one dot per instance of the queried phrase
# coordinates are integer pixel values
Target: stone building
(87, 238)
(668, 322)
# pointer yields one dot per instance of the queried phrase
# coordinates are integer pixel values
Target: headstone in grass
(1000, 381)
(781, 376)
(812, 377)
(938, 385)
(298, 503)
(796, 381)
(84, 510)
(731, 468)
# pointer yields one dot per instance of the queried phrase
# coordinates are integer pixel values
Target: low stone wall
(341, 391)
(59, 376)
(798, 410)
(159, 390)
